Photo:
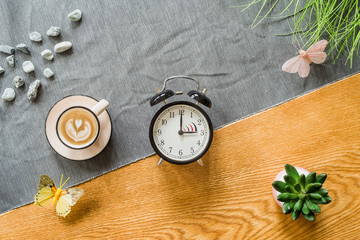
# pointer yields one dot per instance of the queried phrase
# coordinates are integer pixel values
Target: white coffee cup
(78, 127)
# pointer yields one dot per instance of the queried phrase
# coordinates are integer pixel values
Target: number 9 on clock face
(181, 132)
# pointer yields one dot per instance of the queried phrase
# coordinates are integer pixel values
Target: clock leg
(160, 161)
(200, 162)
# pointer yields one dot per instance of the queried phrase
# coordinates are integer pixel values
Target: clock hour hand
(190, 132)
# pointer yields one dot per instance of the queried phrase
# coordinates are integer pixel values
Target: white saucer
(77, 154)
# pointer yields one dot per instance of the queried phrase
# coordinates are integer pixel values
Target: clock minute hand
(191, 132)
(181, 121)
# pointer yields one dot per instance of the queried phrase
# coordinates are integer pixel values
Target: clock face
(181, 132)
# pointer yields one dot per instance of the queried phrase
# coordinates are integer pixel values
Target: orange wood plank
(230, 197)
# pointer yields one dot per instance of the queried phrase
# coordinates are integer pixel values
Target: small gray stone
(47, 54)
(28, 66)
(1, 70)
(23, 48)
(48, 73)
(33, 90)
(8, 95)
(75, 15)
(7, 49)
(18, 81)
(62, 47)
(35, 36)
(11, 61)
(53, 31)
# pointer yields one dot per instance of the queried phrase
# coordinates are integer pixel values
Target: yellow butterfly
(64, 199)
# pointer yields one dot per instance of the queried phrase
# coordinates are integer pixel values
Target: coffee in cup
(78, 127)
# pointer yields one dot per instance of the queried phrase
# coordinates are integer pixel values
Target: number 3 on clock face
(181, 132)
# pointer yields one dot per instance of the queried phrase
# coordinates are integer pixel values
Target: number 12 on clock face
(181, 132)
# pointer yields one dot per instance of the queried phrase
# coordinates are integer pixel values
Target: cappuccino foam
(77, 127)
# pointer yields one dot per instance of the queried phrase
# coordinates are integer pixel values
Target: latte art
(77, 127)
(80, 132)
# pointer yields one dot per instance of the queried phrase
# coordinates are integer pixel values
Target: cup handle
(100, 107)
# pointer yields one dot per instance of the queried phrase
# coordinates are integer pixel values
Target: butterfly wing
(292, 65)
(45, 192)
(43, 197)
(63, 206)
(318, 47)
(304, 68)
(316, 52)
(297, 64)
(45, 181)
(317, 57)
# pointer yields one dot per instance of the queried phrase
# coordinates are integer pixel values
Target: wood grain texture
(230, 197)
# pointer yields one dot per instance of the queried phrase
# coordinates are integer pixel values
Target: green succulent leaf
(322, 191)
(315, 196)
(297, 187)
(310, 217)
(320, 201)
(291, 171)
(310, 178)
(286, 197)
(290, 180)
(295, 214)
(279, 186)
(290, 189)
(286, 208)
(327, 199)
(321, 178)
(302, 181)
(310, 205)
(298, 205)
(305, 209)
(317, 208)
(312, 187)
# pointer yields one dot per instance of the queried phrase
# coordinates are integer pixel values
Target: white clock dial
(181, 133)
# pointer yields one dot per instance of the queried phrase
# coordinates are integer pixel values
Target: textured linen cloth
(123, 50)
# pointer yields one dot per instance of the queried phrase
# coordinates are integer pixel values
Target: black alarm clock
(181, 132)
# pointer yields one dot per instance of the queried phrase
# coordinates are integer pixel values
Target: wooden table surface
(230, 197)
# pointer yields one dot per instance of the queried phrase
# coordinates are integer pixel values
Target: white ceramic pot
(280, 177)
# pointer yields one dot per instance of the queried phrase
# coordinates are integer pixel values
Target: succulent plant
(301, 194)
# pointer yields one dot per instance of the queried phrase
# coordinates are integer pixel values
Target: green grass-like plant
(338, 21)
(301, 194)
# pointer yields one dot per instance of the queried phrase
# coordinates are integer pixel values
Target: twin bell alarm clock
(181, 132)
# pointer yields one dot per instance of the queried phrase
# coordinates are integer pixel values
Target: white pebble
(1, 70)
(48, 73)
(18, 81)
(75, 15)
(23, 48)
(53, 31)
(11, 61)
(47, 54)
(28, 66)
(8, 95)
(62, 47)
(35, 36)
(33, 90)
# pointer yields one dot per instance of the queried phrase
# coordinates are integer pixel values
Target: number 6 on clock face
(181, 132)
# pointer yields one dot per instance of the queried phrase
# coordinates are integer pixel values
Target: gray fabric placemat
(121, 51)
